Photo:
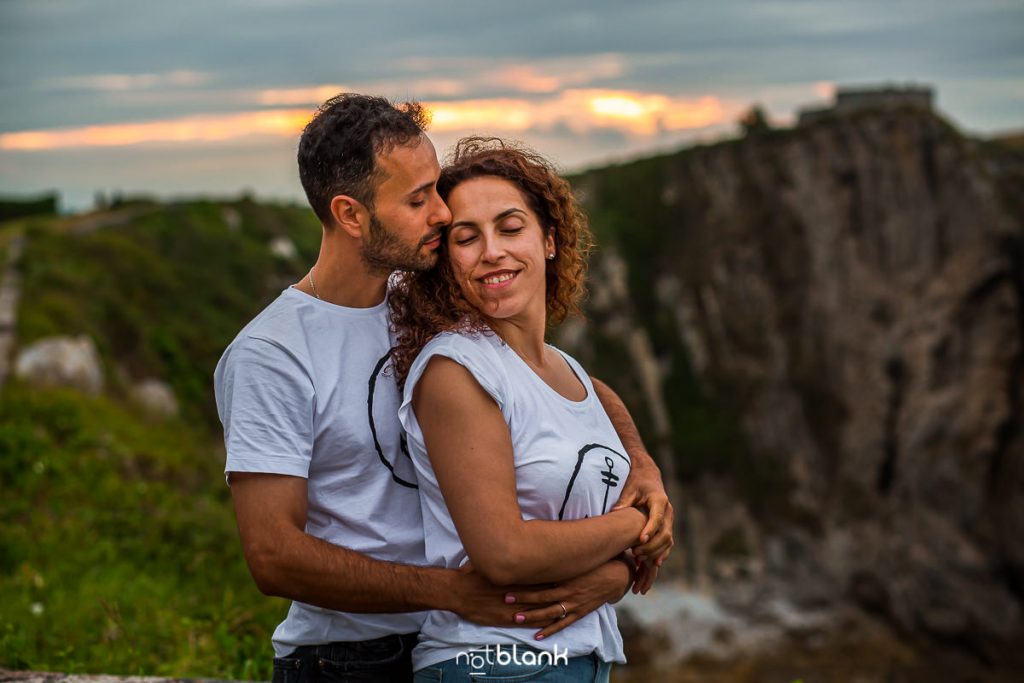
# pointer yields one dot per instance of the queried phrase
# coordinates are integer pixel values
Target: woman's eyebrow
(508, 212)
(503, 214)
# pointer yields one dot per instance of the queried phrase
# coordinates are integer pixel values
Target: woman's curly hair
(428, 302)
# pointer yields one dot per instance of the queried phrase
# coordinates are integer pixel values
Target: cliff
(821, 330)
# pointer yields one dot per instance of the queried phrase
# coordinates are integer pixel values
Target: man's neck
(342, 278)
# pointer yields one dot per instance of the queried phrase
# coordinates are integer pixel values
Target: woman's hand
(579, 597)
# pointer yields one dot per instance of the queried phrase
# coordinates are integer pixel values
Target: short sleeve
(476, 353)
(265, 400)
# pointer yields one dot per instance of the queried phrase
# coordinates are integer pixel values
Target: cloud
(314, 95)
(483, 78)
(212, 128)
(580, 110)
(576, 110)
(180, 78)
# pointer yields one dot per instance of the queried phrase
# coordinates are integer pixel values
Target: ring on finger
(565, 612)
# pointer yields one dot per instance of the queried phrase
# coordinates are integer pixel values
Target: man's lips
(433, 242)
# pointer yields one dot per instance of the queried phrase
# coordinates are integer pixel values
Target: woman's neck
(526, 337)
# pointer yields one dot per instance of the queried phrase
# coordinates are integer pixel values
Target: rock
(61, 362)
(232, 218)
(156, 398)
(852, 293)
(283, 248)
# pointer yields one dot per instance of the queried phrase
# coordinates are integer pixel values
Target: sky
(209, 97)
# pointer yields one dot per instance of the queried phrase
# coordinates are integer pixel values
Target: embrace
(441, 494)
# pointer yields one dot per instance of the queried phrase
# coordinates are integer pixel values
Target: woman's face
(498, 248)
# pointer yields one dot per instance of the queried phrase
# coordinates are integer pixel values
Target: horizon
(115, 194)
(198, 99)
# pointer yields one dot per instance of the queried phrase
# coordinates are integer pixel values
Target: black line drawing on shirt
(608, 477)
(373, 426)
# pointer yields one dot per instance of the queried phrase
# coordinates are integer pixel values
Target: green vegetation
(161, 290)
(118, 550)
(17, 207)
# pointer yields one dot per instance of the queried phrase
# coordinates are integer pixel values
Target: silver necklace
(312, 285)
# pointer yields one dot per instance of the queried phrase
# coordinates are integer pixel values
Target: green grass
(118, 553)
(163, 295)
(118, 548)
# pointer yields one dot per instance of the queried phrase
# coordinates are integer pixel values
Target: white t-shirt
(302, 391)
(569, 464)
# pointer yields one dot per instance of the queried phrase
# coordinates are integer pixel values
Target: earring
(551, 256)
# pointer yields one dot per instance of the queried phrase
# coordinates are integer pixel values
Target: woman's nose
(493, 248)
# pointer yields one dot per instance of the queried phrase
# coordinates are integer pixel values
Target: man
(324, 493)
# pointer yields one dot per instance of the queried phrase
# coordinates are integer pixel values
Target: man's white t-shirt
(302, 391)
(569, 464)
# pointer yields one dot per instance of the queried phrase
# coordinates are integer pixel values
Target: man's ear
(349, 214)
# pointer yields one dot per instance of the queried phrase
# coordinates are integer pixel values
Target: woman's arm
(470, 448)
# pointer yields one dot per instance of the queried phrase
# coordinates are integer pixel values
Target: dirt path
(10, 295)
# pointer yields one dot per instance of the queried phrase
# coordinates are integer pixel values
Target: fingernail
(520, 618)
(644, 538)
(540, 636)
(509, 598)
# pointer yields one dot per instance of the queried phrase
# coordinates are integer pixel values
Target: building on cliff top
(850, 100)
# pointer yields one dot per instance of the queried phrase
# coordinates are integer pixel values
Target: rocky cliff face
(821, 330)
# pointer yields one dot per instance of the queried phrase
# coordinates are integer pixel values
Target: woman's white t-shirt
(569, 464)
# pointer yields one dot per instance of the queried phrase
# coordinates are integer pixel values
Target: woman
(517, 461)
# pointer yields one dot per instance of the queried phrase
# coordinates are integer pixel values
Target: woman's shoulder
(476, 351)
(468, 339)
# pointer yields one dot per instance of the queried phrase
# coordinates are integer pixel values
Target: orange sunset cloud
(577, 110)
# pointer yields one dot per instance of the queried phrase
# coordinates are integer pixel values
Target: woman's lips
(499, 279)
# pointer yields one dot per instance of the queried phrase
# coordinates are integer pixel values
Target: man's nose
(441, 214)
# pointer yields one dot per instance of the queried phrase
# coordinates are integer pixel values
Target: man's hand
(478, 600)
(644, 489)
(580, 596)
(646, 573)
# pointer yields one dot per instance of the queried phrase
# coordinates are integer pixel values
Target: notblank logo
(480, 659)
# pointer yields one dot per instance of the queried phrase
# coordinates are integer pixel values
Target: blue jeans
(381, 659)
(488, 669)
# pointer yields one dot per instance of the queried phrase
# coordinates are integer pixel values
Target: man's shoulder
(276, 332)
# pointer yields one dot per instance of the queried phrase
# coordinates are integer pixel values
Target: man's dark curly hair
(339, 148)
(431, 301)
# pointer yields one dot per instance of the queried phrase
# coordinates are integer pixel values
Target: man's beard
(384, 252)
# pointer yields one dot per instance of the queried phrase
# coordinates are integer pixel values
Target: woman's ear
(549, 245)
(348, 214)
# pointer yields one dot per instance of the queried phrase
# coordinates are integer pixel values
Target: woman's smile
(498, 279)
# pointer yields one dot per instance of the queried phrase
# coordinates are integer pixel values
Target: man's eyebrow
(425, 186)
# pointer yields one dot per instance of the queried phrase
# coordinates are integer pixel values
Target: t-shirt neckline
(374, 310)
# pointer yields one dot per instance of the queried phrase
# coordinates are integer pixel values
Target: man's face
(408, 214)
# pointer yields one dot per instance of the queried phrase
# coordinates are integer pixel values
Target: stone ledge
(50, 677)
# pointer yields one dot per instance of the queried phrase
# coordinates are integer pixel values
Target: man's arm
(287, 562)
(644, 486)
